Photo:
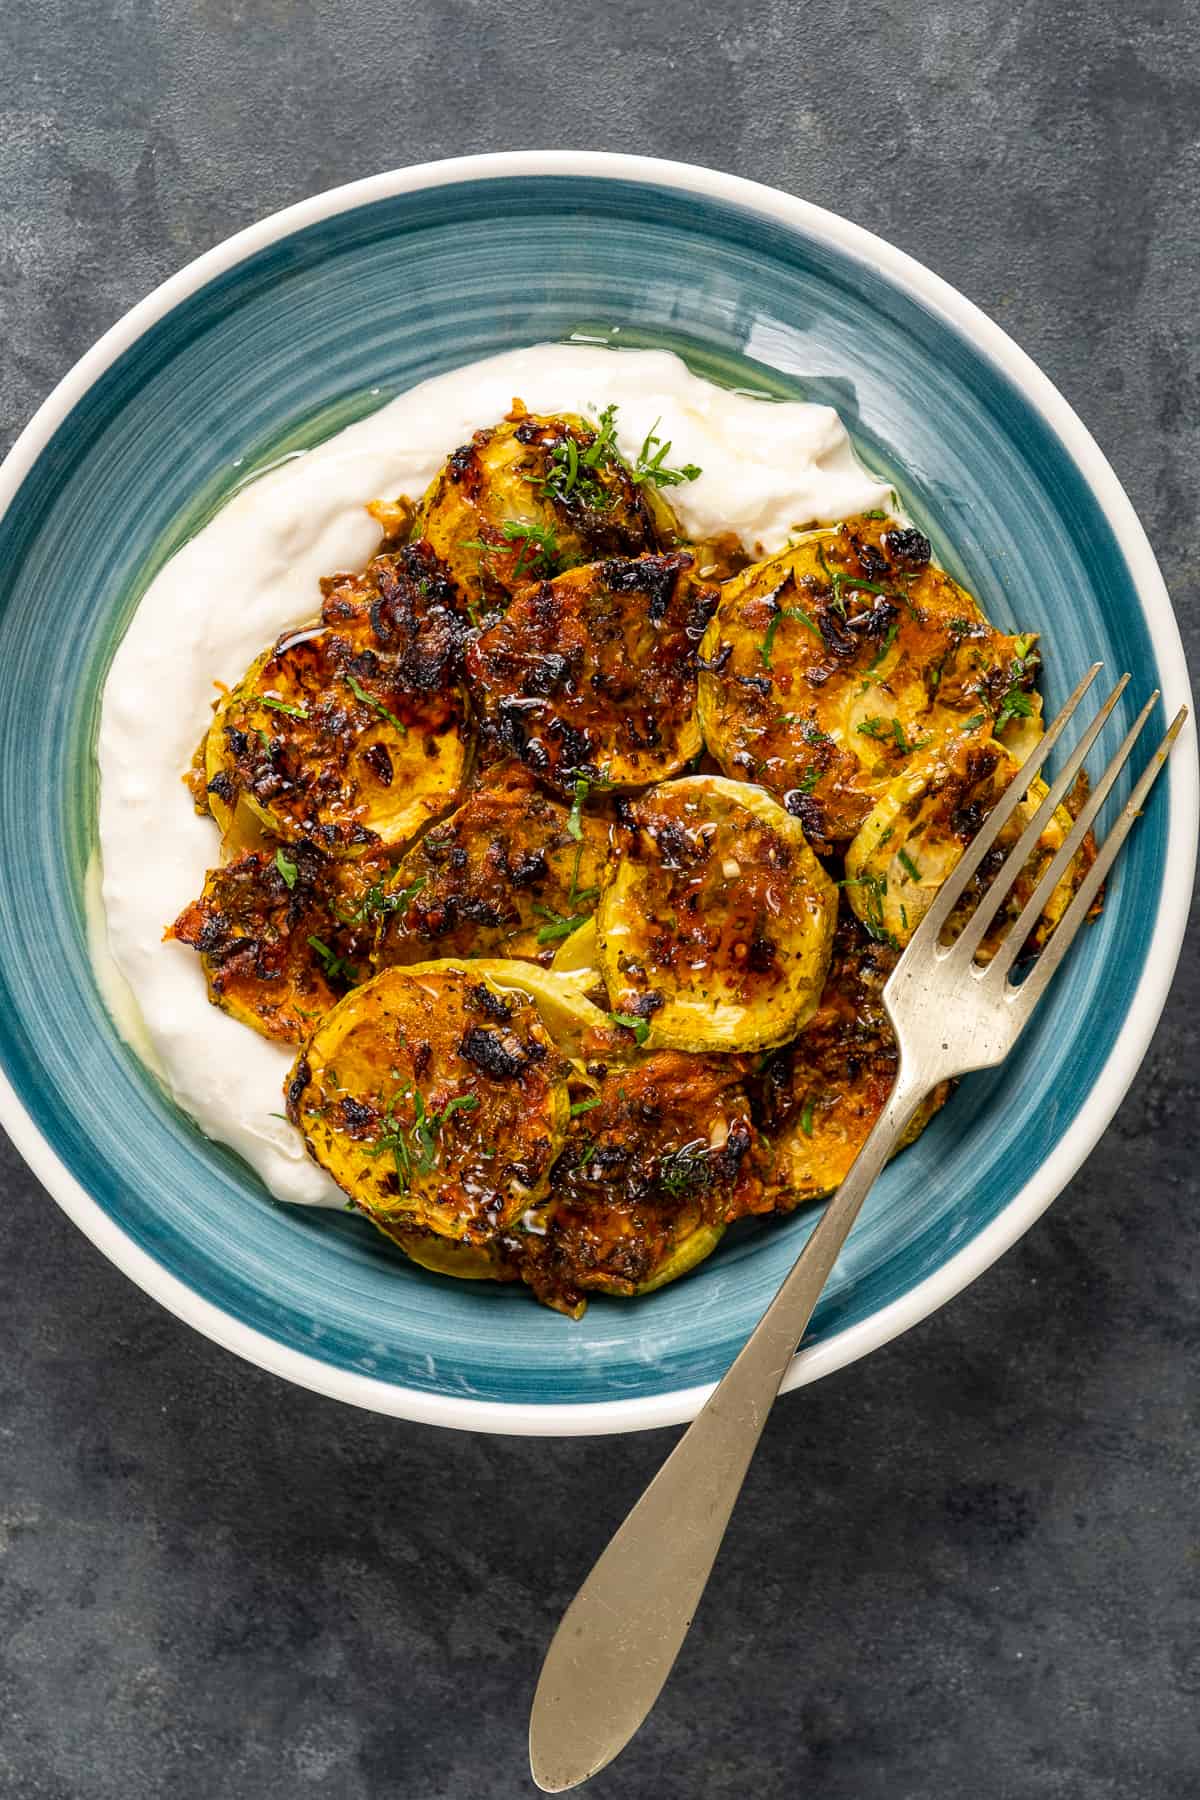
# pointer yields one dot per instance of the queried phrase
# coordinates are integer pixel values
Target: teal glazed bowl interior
(311, 320)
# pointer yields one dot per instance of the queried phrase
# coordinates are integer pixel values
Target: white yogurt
(252, 572)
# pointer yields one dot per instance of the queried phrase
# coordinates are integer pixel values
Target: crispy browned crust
(667, 1148)
(510, 873)
(252, 930)
(593, 675)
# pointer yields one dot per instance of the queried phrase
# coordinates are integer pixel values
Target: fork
(619, 1637)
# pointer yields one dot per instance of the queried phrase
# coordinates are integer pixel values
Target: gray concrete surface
(970, 1566)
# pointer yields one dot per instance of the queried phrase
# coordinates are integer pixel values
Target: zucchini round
(590, 679)
(715, 921)
(530, 497)
(829, 666)
(510, 874)
(818, 1097)
(254, 926)
(919, 828)
(352, 733)
(435, 1099)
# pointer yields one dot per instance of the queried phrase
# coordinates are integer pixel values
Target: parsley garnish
(872, 727)
(282, 706)
(886, 645)
(806, 1117)
(583, 1106)
(875, 513)
(974, 722)
(335, 966)
(561, 924)
(902, 743)
(360, 693)
(639, 1027)
(682, 1169)
(575, 816)
(538, 550)
(287, 868)
(651, 465)
(414, 1146)
(911, 871)
(378, 901)
(783, 612)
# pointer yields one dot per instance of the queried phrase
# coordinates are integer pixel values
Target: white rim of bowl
(596, 1417)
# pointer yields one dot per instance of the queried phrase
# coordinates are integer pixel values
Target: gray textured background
(968, 1566)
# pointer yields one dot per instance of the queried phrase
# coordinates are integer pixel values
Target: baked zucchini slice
(352, 733)
(436, 1099)
(532, 496)
(257, 925)
(829, 666)
(511, 873)
(817, 1099)
(657, 1160)
(591, 677)
(715, 920)
(919, 828)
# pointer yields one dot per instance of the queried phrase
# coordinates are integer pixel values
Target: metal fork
(622, 1632)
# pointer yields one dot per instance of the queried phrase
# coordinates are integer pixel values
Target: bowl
(310, 319)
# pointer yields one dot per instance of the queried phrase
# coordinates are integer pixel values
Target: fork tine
(953, 888)
(971, 935)
(1031, 912)
(1026, 997)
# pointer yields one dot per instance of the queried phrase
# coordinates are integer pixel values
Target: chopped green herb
(875, 513)
(806, 1117)
(902, 743)
(604, 444)
(575, 816)
(584, 1106)
(652, 466)
(910, 868)
(360, 693)
(872, 727)
(282, 706)
(882, 651)
(562, 925)
(639, 1027)
(687, 1168)
(975, 721)
(287, 868)
(378, 902)
(336, 967)
(783, 612)
(904, 916)
(414, 1145)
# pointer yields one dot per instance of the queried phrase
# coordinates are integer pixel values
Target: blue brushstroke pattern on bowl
(313, 331)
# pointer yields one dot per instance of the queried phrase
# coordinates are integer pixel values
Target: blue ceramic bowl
(311, 319)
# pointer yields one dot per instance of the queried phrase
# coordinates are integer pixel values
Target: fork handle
(620, 1635)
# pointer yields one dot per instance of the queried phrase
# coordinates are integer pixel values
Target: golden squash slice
(817, 1099)
(919, 828)
(436, 1099)
(258, 927)
(532, 496)
(511, 873)
(658, 1158)
(829, 666)
(715, 921)
(354, 732)
(591, 678)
